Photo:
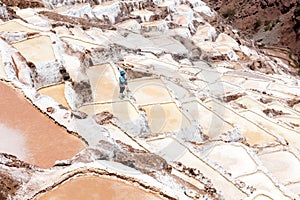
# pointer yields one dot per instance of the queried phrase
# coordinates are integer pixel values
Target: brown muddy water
(96, 188)
(29, 134)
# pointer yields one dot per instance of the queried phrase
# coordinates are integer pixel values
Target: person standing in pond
(122, 83)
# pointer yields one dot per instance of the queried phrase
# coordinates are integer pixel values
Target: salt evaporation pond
(31, 135)
(94, 187)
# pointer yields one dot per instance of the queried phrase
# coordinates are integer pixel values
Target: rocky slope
(272, 23)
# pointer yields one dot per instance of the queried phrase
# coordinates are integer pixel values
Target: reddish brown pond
(95, 188)
(30, 134)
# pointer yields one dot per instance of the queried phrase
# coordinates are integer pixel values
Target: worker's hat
(122, 72)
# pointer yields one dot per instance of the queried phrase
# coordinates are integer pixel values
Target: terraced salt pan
(208, 47)
(223, 49)
(262, 197)
(203, 9)
(288, 89)
(289, 135)
(151, 63)
(130, 24)
(165, 117)
(114, 37)
(278, 54)
(78, 42)
(264, 184)
(110, 9)
(250, 75)
(38, 21)
(163, 147)
(57, 92)
(169, 4)
(154, 64)
(149, 91)
(117, 134)
(253, 133)
(198, 86)
(255, 84)
(160, 25)
(297, 107)
(133, 41)
(211, 123)
(185, 76)
(81, 9)
(95, 187)
(79, 33)
(37, 49)
(144, 14)
(278, 106)
(209, 76)
(294, 188)
(233, 158)
(181, 31)
(217, 49)
(15, 26)
(260, 94)
(225, 39)
(25, 13)
(98, 35)
(281, 95)
(165, 69)
(169, 44)
(123, 110)
(250, 103)
(220, 88)
(171, 150)
(62, 30)
(184, 9)
(293, 121)
(189, 70)
(188, 179)
(105, 86)
(178, 91)
(232, 65)
(204, 33)
(283, 165)
(31, 16)
(181, 20)
(40, 138)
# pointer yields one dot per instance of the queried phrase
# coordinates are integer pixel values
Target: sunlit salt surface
(38, 49)
(57, 92)
(166, 117)
(12, 141)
